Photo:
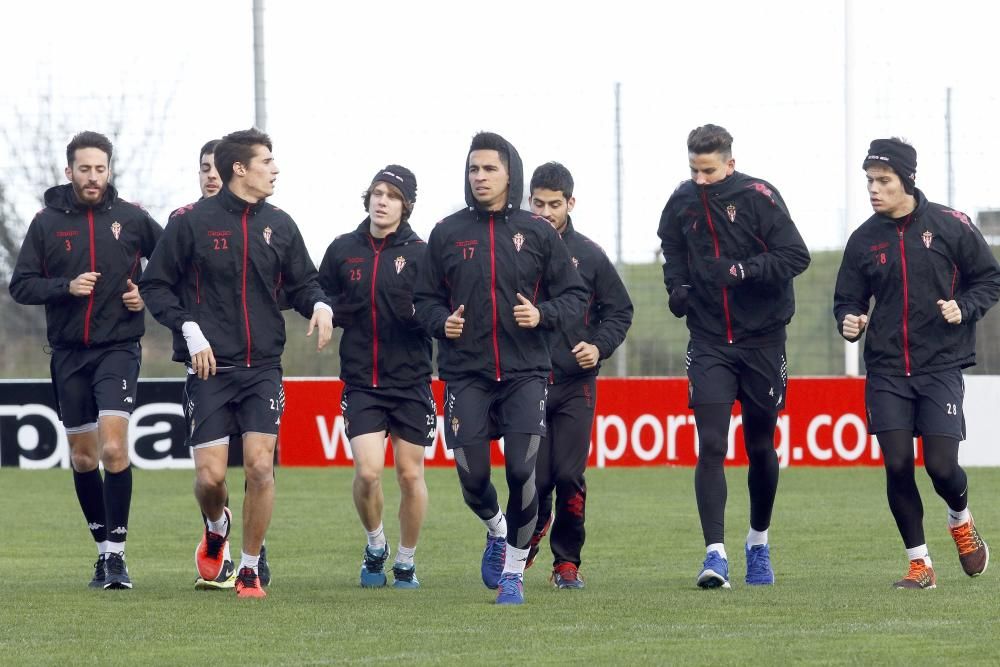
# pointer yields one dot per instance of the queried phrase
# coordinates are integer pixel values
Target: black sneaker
(117, 573)
(99, 573)
(263, 569)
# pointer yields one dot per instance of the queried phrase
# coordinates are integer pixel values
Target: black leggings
(709, 473)
(941, 464)
(473, 465)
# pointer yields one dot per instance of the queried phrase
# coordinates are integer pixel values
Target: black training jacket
(222, 263)
(68, 238)
(739, 218)
(609, 309)
(385, 346)
(908, 265)
(483, 259)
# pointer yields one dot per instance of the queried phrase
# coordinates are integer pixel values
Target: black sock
(90, 493)
(118, 499)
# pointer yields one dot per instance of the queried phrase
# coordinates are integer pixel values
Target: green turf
(835, 551)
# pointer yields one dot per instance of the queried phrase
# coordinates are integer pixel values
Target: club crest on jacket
(518, 241)
(927, 238)
(267, 235)
(731, 211)
(400, 263)
(116, 229)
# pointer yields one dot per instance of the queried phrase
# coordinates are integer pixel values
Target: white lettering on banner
(861, 441)
(604, 423)
(674, 423)
(29, 438)
(332, 438)
(734, 423)
(812, 443)
(162, 445)
(653, 423)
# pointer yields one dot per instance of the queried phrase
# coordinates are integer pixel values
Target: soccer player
(476, 293)
(385, 363)
(213, 281)
(730, 251)
(577, 351)
(80, 258)
(932, 276)
(210, 184)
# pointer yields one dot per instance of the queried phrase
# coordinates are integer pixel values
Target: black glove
(344, 313)
(678, 301)
(728, 272)
(401, 301)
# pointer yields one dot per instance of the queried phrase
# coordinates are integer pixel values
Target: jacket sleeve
(29, 284)
(151, 233)
(432, 297)
(675, 255)
(614, 308)
(329, 279)
(852, 294)
(786, 255)
(301, 280)
(161, 281)
(980, 275)
(567, 295)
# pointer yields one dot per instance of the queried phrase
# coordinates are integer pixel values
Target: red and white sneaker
(210, 555)
(248, 584)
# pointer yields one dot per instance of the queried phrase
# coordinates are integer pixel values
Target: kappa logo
(927, 237)
(731, 212)
(518, 241)
(120, 530)
(128, 399)
(95, 526)
(116, 229)
(400, 264)
(576, 263)
(267, 235)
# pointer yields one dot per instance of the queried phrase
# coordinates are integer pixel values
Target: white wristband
(194, 338)
(319, 305)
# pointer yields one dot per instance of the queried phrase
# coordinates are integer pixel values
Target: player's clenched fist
(950, 311)
(455, 323)
(853, 325)
(83, 284)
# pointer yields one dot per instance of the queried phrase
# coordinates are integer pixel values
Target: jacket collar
(235, 204)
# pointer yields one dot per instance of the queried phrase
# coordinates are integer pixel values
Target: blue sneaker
(373, 567)
(714, 571)
(405, 576)
(493, 557)
(759, 572)
(511, 589)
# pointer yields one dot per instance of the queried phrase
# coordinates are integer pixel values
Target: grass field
(835, 551)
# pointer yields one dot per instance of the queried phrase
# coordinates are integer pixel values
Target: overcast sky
(353, 86)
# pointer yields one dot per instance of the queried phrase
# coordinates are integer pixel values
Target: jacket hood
(63, 198)
(516, 173)
(235, 204)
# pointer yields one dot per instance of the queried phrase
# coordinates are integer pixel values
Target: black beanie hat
(399, 176)
(898, 156)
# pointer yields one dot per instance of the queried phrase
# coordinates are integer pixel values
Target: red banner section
(639, 422)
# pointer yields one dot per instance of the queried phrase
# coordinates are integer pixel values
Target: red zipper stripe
(246, 252)
(493, 294)
(906, 297)
(378, 252)
(93, 267)
(725, 291)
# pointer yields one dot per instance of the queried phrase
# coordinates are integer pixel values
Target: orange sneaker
(972, 550)
(210, 554)
(921, 575)
(248, 584)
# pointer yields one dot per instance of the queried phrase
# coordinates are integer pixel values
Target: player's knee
(83, 460)
(208, 479)
(114, 455)
(411, 479)
(368, 477)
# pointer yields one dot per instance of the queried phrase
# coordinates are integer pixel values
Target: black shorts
(724, 374)
(409, 413)
(94, 382)
(234, 401)
(929, 404)
(477, 410)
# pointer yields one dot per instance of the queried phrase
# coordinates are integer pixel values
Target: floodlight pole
(851, 365)
(260, 93)
(621, 359)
